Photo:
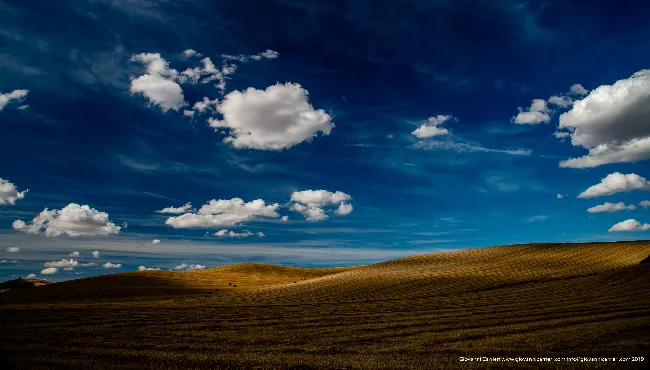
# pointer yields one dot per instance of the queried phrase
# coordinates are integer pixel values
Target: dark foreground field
(545, 300)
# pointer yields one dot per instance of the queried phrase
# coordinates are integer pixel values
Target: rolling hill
(424, 311)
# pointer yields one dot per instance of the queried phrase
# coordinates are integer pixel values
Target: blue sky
(416, 119)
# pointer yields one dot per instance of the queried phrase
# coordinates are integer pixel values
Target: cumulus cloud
(276, 118)
(560, 196)
(9, 194)
(285, 218)
(49, 271)
(72, 220)
(74, 254)
(430, 128)
(224, 212)
(561, 134)
(560, 101)
(95, 254)
(311, 202)
(158, 84)
(71, 263)
(611, 122)
(186, 267)
(161, 84)
(177, 210)
(344, 209)
(231, 234)
(13, 249)
(616, 183)
(578, 89)
(109, 265)
(31, 276)
(14, 96)
(160, 91)
(537, 113)
(155, 241)
(537, 218)
(644, 203)
(206, 105)
(142, 268)
(224, 233)
(629, 225)
(611, 207)
(191, 52)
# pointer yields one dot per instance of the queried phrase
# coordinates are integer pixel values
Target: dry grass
(425, 311)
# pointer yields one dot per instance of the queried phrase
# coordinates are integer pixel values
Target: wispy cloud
(465, 148)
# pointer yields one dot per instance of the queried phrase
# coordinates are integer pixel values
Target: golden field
(419, 312)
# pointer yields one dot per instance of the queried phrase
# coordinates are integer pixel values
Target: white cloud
(142, 268)
(31, 276)
(611, 207)
(95, 254)
(109, 265)
(311, 213)
(155, 241)
(344, 209)
(464, 147)
(231, 234)
(611, 122)
(74, 254)
(537, 113)
(191, 52)
(430, 128)
(561, 134)
(188, 113)
(616, 183)
(9, 194)
(285, 218)
(560, 101)
(224, 212)
(261, 234)
(11, 262)
(186, 267)
(13, 249)
(49, 271)
(319, 197)
(267, 54)
(560, 196)
(72, 220)
(311, 202)
(206, 105)
(272, 119)
(537, 218)
(16, 95)
(629, 225)
(62, 264)
(578, 89)
(176, 210)
(644, 203)
(160, 91)
(158, 84)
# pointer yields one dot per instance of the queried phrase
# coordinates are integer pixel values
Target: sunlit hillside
(417, 312)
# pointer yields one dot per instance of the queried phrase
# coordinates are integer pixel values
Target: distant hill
(21, 283)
